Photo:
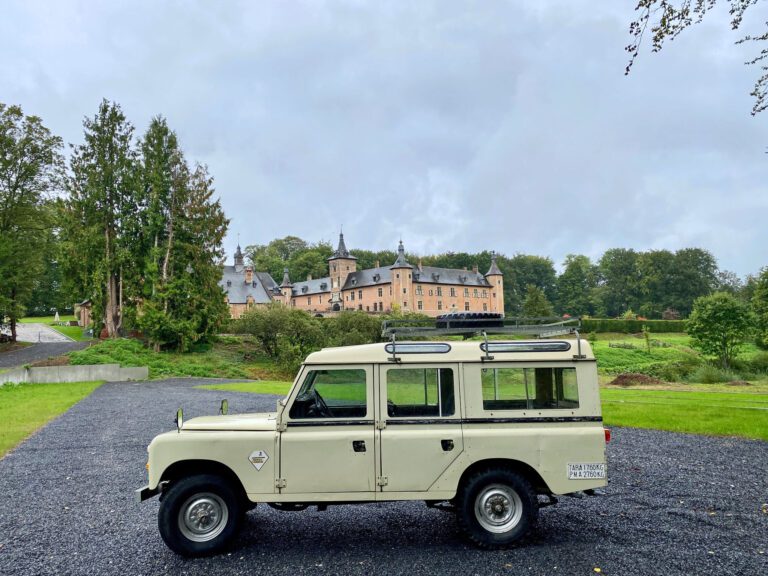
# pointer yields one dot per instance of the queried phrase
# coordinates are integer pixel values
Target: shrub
(719, 325)
(708, 374)
(632, 326)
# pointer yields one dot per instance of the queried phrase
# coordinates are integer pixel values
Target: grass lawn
(26, 407)
(46, 319)
(74, 332)
(713, 413)
(279, 388)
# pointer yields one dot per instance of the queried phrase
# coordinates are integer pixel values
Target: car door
(421, 433)
(327, 445)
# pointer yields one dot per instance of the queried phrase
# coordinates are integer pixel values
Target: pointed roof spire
(286, 279)
(401, 262)
(238, 256)
(494, 269)
(341, 251)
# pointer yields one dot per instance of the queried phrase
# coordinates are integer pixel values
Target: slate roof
(369, 277)
(494, 269)
(434, 275)
(238, 291)
(313, 286)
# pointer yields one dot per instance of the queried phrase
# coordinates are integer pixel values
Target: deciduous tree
(719, 325)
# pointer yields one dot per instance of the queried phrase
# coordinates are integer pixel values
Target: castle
(424, 289)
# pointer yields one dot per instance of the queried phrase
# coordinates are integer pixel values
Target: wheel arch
(522, 468)
(185, 468)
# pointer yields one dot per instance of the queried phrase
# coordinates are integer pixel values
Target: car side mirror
(224, 409)
(179, 420)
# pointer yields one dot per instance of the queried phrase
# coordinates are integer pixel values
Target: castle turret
(402, 281)
(341, 264)
(495, 278)
(238, 259)
(286, 288)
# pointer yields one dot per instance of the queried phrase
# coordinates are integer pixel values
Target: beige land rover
(491, 430)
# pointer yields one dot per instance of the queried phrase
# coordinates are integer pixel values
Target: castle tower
(286, 288)
(402, 281)
(340, 265)
(496, 280)
(238, 259)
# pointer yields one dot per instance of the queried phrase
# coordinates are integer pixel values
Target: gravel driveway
(37, 352)
(677, 504)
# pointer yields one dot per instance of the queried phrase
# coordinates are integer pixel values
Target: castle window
(485, 307)
(485, 293)
(360, 294)
(380, 292)
(466, 292)
(431, 292)
(439, 304)
(381, 306)
(405, 291)
(419, 305)
(453, 292)
(439, 290)
(359, 306)
(352, 296)
(375, 307)
(418, 290)
(475, 293)
(466, 306)
(397, 275)
(229, 282)
(309, 301)
(334, 267)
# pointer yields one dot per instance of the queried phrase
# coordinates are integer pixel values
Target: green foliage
(719, 325)
(301, 258)
(128, 352)
(350, 328)
(759, 302)
(575, 286)
(708, 374)
(601, 325)
(30, 170)
(285, 334)
(636, 359)
(536, 303)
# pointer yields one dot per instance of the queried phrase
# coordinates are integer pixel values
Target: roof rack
(473, 324)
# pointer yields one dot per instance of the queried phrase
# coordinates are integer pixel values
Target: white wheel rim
(203, 516)
(498, 508)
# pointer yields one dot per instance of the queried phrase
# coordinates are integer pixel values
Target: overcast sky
(458, 126)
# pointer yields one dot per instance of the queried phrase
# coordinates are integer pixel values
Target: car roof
(409, 352)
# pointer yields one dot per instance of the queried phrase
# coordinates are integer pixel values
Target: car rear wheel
(496, 508)
(200, 515)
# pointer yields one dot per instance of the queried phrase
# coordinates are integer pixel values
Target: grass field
(46, 319)
(26, 407)
(711, 413)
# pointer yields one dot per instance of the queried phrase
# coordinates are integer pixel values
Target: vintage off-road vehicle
(490, 429)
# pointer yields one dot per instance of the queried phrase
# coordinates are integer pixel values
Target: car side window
(418, 392)
(529, 388)
(332, 394)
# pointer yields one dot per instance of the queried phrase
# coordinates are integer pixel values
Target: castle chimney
(465, 268)
(474, 269)
(421, 268)
(378, 265)
(309, 277)
(248, 274)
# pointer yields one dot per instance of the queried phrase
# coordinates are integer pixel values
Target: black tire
(200, 515)
(496, 508)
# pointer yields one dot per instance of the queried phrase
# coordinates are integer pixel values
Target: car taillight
(607, 435)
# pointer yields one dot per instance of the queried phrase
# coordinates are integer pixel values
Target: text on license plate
(586, 471)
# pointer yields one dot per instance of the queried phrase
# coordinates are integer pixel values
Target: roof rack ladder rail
(578, 355)
(393, 342)
(487, 357)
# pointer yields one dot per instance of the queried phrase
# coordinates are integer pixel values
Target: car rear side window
(529, 388)
(420, 392)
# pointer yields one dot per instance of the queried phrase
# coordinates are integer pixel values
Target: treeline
(126, 224)
(658, 284)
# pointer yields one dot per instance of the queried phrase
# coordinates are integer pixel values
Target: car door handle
(447, 445)
(358, 445)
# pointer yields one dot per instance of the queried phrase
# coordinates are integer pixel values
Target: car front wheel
(497, 507)
(200, 515)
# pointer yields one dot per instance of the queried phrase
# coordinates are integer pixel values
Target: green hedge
(631, 326)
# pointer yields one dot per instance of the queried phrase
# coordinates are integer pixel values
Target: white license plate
(586, 471)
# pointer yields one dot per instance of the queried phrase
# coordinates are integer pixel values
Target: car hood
(262, 421)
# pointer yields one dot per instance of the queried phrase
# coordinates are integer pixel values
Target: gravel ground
(677, 504)
(38, 352)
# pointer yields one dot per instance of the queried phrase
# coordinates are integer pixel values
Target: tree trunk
(13, 315)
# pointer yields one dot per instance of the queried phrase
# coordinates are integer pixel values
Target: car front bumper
(145, 493)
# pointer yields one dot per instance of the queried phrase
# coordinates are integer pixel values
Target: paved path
(677, 505)
(36, 352)
(36, 332)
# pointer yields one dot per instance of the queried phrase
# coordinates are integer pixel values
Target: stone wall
(86, 373)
